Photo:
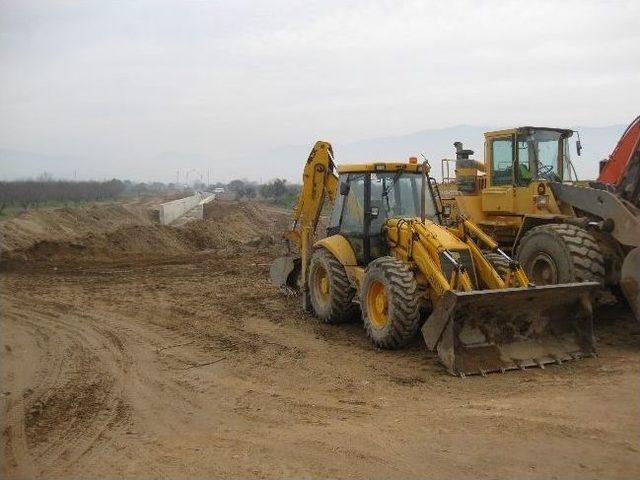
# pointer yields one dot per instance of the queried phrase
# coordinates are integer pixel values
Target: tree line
(276, 190)
(30, 193)
(33, 193)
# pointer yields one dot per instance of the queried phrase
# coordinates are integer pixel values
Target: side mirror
(344, 188)
(579, 147)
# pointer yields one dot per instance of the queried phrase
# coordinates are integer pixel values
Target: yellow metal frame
(380, 167)
(501, 209)
(420, 244)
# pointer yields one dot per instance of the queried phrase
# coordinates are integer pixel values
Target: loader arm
(484, 320)
(429, 245)
(425, 244)
(514, 276)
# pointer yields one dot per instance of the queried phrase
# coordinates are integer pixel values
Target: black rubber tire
(498, 262)
(403, 312)
(573, 252)
(339, 307)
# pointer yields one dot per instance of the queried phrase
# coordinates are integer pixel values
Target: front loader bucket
(284, 272)
(630, 280)
(497, 330)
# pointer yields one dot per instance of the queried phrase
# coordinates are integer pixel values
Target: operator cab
(521, 155)
(369, 195)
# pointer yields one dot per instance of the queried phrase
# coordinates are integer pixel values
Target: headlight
(542, 201)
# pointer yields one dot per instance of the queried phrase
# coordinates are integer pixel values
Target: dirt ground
(183, 361)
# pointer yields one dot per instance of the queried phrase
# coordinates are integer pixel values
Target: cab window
(502, 164)
(540, 156)
(526, 164)
(353, 210)
(336, 214)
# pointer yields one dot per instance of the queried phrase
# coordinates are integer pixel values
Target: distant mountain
(287, 161)
(15, 164)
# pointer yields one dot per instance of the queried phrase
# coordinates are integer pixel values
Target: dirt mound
(122, 243)
(244, 222)
(120, 232)
(68, 224)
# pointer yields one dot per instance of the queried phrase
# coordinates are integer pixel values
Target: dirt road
(194, 366)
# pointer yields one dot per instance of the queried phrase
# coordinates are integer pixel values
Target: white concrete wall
(198, 211)
(171, 211)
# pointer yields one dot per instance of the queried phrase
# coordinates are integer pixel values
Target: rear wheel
(330, 292)
(389, 303)
(561, 253)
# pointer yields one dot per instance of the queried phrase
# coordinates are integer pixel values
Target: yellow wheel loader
(525, 195)
(387, 255)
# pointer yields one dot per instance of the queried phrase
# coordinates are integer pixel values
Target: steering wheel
(546, 171)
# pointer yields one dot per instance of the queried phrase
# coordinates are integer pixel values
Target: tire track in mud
(136, 370)
(78, 393)
(72, 400)
(16, 449)
(292, 397)
(93, 371)
(14, 439)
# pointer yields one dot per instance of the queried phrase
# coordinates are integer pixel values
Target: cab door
(499, 196)
(348, 217)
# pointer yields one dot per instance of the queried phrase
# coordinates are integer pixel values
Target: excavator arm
(622, 169)
(319, 184)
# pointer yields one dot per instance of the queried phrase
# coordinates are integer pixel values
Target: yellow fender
(343, 251)
(340, 248)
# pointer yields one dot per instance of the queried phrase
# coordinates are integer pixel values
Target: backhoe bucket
(284, 272)
(497, 330)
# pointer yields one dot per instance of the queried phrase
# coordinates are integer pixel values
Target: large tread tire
(498, 262)
(337, 306)
(573, 251)
(402, 310)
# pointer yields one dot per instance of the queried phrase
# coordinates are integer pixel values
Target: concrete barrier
(171, 211)
(198, 211)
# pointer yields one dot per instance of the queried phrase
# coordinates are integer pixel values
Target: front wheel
(561, 253)
(389, 303)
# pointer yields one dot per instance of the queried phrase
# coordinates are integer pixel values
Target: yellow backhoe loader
(388, 255)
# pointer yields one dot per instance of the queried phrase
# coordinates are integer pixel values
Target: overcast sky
(118, 85)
